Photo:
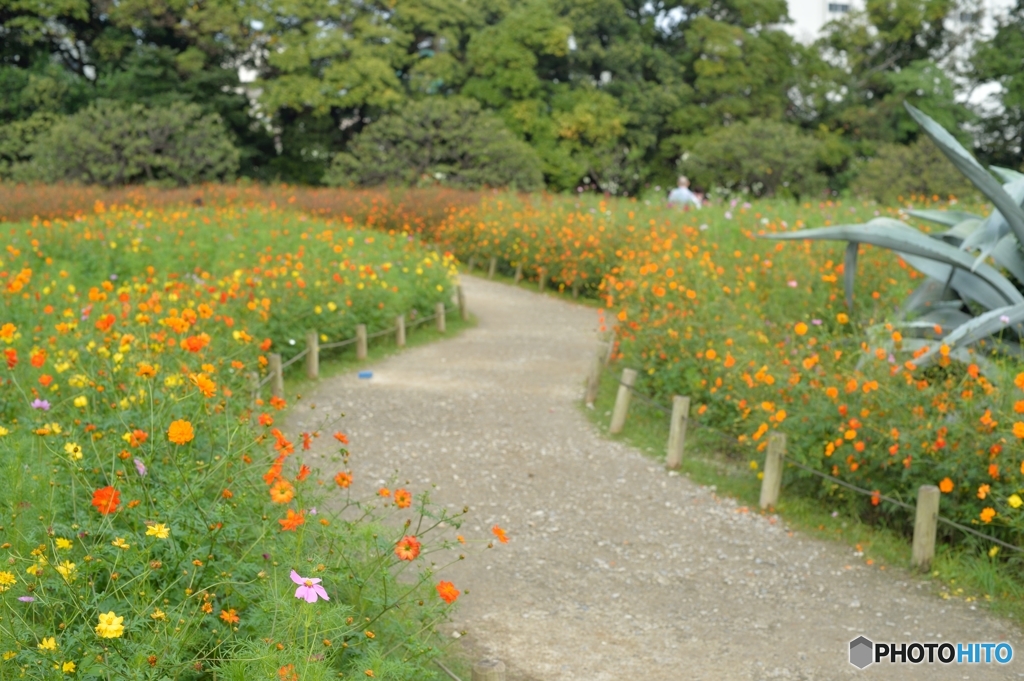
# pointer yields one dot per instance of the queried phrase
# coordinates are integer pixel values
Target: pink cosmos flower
(309, 588)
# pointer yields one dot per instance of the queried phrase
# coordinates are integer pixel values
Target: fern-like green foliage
(965, 303)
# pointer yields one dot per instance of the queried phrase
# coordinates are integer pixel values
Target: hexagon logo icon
(861, 652)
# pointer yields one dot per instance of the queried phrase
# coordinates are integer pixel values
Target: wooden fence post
(543, 279)
(254, 387)
(400, 330)
(493, 267)
(489, 670)
(277, 382)
(471, 264)
(313, 355)
(463, 310)
(926, 522)
(677, 431)
(622, 401)
(610, 351)
(519, 273)
(593, 381)
(360, 341)
(439, 311)
(576, 288)
(771, 483)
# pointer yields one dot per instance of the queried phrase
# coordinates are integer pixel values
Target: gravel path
(615, 569)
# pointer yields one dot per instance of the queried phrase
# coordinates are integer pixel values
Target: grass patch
(711, 458)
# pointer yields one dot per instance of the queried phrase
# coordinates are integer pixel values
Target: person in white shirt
(682, 196)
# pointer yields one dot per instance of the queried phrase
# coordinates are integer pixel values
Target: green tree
(998, 60)
(762, 157)
(438, 140)
(900, 171)
(110, 143)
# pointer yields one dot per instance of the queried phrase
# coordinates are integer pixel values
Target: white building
(810, 16)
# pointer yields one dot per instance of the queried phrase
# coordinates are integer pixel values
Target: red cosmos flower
(266, 420)
(38, 358)
(195, 343)
(447, 592)
(265, 345)
(304, 472)
(341, 437)
(11, 355)
(408, 548)
(106, 500)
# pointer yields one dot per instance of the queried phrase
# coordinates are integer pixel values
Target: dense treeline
(617, 95)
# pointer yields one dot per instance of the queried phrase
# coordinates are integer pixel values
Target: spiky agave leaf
(949, 218)
(969, 166)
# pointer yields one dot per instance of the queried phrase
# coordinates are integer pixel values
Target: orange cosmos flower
(230, 616)
(277, 403)
(403, 499)
(384, 492)
(304, 472)
(281, 492)
(946, 486)
(500, 534)
(343, 479)
(292, 520)
(227, 494)
(266, 420)
(408, 548)
(203, 383)
(106, 500)
(195, 343)
(983, 491)
(307, 441)
(146, 370)
(987, 514)
(45, 380)
(137, 438)
(37, 358)
(447, 592)
(180, 432)
(341, 437)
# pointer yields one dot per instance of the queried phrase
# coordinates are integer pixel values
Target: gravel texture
(616, 569)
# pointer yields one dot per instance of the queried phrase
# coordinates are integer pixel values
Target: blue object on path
(365, 374)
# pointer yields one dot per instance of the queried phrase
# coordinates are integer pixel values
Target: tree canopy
(605, 94)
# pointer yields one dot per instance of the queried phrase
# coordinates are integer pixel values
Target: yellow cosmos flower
(48, 643)
(73, 450)
(159, 530)
(1015, 501)
(66, 570)
(64, 544)
(7, 580)
(68, 667)
(110, 626)
(119, 543)
(81, 401)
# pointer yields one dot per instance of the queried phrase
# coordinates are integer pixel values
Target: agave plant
(964, 302)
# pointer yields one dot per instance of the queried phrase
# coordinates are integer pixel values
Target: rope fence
(926, 510)
(311, 353)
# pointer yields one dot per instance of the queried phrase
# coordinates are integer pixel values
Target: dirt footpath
(615, 569)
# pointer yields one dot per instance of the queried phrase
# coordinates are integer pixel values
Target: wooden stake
(463, 310)
(493, 267)
(360, 341)
(400, 330)
(926, 523)
(611, 349)
(593, 381)
(254, 387)
(489, 670)
(543, 280)
(439, 310)
(519, 273)
(313, 356)
(771, 484)
(277, 383)
(576, 289)
(471, 264)
(622, 401)
(677, 431)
